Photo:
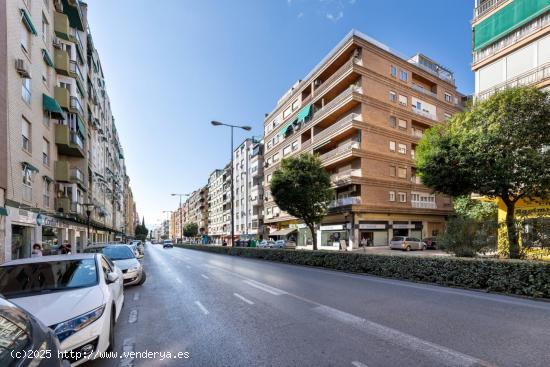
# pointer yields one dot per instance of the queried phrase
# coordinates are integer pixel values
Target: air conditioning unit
(21, 67)
(56, 43)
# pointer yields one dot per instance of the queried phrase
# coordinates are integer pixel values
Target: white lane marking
(179, 281)
(203, 309)
(448, 357)
(133, 316)
(204, 276)
(266, 288)
(358, 364)
(243, 299)
(136, 296)
(127, 360)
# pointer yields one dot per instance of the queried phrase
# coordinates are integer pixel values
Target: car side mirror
(112, 277)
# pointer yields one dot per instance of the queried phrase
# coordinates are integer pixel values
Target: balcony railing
(421, 89)
(75, 104)
(417, 133)
(336, 127)
(423, 204)
(340, 150)
(75, 69)
(487, 6)
(345, 176)
(341, 71)
(77, 175)
(523, 32)
(352, 200)
(77, 140)
(531, 77)
(424, 113)
(342, 96)
(416, 180)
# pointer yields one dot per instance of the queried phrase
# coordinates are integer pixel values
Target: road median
(513, 277)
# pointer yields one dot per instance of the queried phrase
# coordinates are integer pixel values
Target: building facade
(363, 110)
(219, 205)
(60, 156)
(198, 210)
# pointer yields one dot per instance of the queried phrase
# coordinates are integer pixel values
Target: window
(402, 124)
(46, 119)
(447, 116)
(295, 145)
(392, 171)
(26, 90)
(448, 97)
(403, 75)
(402, 149)
(287, 150)
(269, 145)
(287, 112)
(402, 100)
(45, 29)
(26, 135)
(46, 194)
(393, 71)
(45, 152)
(269, 178)
(402, 172)
(393, 121)
(295, 105)
(392, 146)
(392, 195)
(393, 96)
(27, 184)
(25, 39)
(402, 197)
(276, 157)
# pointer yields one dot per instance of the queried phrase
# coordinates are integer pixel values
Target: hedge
(515, 277)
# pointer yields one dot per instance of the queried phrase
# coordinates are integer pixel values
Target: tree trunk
(313, 235)
(512, 234)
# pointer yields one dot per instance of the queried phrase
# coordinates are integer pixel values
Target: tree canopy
(141, 231)
(190, 229)
(499, 148)
(301, 187)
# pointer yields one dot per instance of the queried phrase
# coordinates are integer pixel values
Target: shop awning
(283, 232)
(51, 105)
(304, 113)
(28, 22)
(3, 211)
(29, 166)
(47, 58)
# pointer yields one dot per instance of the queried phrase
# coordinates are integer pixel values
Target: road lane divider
(133, 316)
(358, 364)
(243, 298)
(264, 287)
(201, 307)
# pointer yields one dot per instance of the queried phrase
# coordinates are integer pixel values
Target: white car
(265, 243)
(278, 244)
(78, 296)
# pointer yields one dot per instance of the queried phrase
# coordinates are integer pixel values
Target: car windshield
(118, 252)
(26, 279)
(398, 239)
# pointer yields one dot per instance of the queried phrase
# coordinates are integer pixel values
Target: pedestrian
(36, 250)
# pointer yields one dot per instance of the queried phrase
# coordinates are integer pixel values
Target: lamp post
(247, 128)
(181, 214)
(89, 208)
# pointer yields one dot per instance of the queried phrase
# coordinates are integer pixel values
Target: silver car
(125, 259)
(407, 243)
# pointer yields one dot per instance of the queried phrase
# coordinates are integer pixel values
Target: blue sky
(173, 65)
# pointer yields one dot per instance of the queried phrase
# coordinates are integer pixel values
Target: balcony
(339, 151)
(487, 6)
(341, 71)
(345, 177)
(532, 77)
(421, 89)
(76, 106)
(61, 61)
(75, 37)
(339, 126)
(61, 25)
(424, 113)
(66, 205)
(423, 204)
(336, 101)
(69, 142)
(257, 200)
(352, 200)
(63, 172)
(62, 97)
(75, 71)
(416, 180)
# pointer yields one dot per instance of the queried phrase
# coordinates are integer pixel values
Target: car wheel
(111, 346)
(408, 248)
(143, 277)
(423, 248)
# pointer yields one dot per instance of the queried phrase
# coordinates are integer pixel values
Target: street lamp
(247, 128)
(89, 208)
(181, 216)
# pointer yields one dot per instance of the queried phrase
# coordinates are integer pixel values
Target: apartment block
(60, 153)
(219, 205)
(362, 110)
(198, 210)
(511, 45)
(248, 182)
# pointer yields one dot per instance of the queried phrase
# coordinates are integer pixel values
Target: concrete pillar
(62, 235)
(72, 240)
(83, 240)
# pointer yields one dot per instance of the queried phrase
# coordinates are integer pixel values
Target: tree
(498, 148)
(301, 187)
(141, 231)
(190, 229)
(475, 209)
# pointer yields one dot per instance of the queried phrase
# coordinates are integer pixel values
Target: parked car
(78, 296)
(123, 257)
(407, 243)
(136, 251)
(167, 243)
(431, 242)
(23, 335)
(139, 245)
(279, 244)
(265, 243)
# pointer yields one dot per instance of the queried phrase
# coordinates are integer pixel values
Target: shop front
(373, 233)
(22, 232)
(411, 229)
(334, 236)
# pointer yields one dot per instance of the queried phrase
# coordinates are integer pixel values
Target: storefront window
(333, 238)
(304, 237)
(49, 240)
(20, 242)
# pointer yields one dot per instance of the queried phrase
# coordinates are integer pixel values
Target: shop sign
(372, 226)
(26, 216)
(40, 219)
(335, 227)
(541, 211)
(403, 226)
(49, 221)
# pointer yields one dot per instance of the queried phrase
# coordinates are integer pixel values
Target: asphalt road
(230, 311)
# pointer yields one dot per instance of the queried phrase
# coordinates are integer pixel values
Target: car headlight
(67, 328)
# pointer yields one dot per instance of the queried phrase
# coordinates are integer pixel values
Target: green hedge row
(518, 277)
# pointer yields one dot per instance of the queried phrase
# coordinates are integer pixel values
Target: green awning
(74, 13)
(80, 88)
(81, 126)
(51, 105)
(28, 22)
(304, 113)
(291, 124)
(3, 211)
(48, 178)
(29, 166)
(47, 58)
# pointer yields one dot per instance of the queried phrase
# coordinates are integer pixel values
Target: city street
(229, 311)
